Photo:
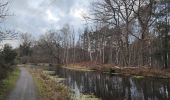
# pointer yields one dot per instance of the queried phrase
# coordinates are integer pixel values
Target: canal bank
(108, 86)
(51, 87)
(125, 71)
(120, 87)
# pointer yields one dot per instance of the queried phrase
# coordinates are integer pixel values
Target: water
(115, 87)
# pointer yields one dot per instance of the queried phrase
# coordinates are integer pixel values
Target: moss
(8, 83)
(88, 97)
(56, 79)
(85, 97)
(49, 72)
(139, 77)
(79, 69)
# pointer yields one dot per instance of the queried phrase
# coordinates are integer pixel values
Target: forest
(126, 33)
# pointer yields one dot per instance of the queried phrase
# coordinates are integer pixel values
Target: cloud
(51, 17)
(37, 16)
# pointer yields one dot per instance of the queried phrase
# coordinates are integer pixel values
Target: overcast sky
(38, 16)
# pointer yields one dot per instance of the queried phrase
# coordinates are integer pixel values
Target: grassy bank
(8, 83)
(48, 88)
(126, 71)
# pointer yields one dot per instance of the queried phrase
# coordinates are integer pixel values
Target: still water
(115, 87)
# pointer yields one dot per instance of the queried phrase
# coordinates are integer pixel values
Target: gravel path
(25, 88)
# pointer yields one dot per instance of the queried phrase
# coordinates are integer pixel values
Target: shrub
(7, 59)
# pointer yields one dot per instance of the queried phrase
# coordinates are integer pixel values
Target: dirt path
(25, 88)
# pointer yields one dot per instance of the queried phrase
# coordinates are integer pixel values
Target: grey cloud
(31, 15)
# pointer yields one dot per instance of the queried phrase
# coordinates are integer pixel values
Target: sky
(38, 16)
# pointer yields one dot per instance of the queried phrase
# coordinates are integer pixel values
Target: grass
(79, 69)
(48, 88)
(86, 97)
(8, 83)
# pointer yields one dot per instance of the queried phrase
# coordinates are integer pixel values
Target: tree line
(123, 33)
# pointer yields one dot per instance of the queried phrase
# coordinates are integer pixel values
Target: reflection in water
(115, 87)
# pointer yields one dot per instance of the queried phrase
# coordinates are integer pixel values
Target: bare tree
(26, 41)
(5, 34)
(143, 12)
(3, 9)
